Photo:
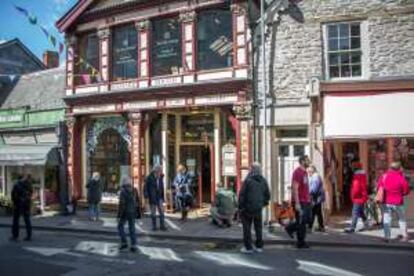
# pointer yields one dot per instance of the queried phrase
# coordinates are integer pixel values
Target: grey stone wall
(294, 49)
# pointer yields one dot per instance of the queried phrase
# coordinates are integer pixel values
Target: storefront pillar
(390, 150)
(244, 147)
(188, 19)
(164, 150)
(104, 35)
(134, 124)
(74, 158)
(71, 42)
(143, 52)
(217, 148)
(240, 35)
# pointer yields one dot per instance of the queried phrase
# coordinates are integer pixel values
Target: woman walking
(392, 187)
(317, 196)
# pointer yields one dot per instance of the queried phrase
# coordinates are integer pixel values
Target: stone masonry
(295, 43)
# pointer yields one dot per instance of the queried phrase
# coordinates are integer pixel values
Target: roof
(40, 90)
(16, 42)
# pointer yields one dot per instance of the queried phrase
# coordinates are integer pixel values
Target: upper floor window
(124, 52)
(88, 60)
(166, 47)
(214, 39)
(344, 51)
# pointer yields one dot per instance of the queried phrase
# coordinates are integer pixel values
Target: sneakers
(302, 245)
(349, 230)
(123, 246)
(133, 249)
(244, 250)
(258, 250)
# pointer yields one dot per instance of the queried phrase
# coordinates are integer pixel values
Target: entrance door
(287, 163)
(197, 159)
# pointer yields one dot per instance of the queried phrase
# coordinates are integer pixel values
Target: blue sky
(13, 24)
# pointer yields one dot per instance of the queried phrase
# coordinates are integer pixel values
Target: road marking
(321, 269)
(227, 259)
(49, 251)
(173, 225)
(99, 248)
(158, 253)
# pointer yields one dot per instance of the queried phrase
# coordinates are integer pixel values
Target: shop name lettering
(11, 118)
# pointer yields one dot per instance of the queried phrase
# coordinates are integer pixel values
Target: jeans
(317, 212)
(16, 222)
(399, 210)
(94, 210)
(247, 221)
(303, 218)
(357, 212)
(131, 226)
(153, 209)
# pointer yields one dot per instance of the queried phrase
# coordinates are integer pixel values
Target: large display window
(166, 47)
(124, 53)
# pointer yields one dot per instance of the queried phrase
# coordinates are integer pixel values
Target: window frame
(112, 50)
(151, 48)
(364, 50)
(83, 39)
(197, 44)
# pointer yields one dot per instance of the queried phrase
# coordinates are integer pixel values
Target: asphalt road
(71, 254)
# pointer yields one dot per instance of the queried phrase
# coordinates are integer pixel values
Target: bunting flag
(52, 40)
(23, 11)
(33, 20)
(61, 47)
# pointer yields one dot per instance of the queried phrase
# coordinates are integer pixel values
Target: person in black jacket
(22, 201)
(127, 212)
(254, 195)
(154, 193)
(94, 196)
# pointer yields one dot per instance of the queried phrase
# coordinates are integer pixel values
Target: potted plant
(6, 205)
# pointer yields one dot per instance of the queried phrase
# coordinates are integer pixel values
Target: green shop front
(31, 144)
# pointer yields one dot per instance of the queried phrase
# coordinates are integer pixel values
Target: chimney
(51, 59)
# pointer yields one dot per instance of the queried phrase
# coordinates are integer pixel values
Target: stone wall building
(318, 49)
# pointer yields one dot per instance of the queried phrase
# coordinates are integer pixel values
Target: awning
(368, 115)
(20, 155)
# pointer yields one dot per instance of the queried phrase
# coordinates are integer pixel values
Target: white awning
(365, 116)
(21, 155)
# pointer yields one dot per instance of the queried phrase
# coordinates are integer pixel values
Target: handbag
(380, 196)
(284, 213)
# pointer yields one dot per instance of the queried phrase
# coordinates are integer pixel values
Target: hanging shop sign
(228, 154)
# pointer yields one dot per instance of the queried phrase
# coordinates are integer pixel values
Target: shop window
(111, 159)
(197, 128)
(166, 47)
(124, 53)
(88, 61)
(298, 150)
(283, 151)
(292, 133)
(214, 39)
(344, 51)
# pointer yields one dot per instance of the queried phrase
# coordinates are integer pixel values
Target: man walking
(254, 196)
(94, 196)
(22, 201)
(154, 193)
(302, 202)
(127, 212)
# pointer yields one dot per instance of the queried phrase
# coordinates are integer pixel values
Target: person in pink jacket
(395, 188)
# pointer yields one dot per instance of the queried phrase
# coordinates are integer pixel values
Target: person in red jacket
(395, 188)
(359, 195)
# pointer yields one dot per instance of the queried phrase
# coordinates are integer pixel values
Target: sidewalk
(200, 229)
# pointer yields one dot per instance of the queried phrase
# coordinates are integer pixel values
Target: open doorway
(197, 159)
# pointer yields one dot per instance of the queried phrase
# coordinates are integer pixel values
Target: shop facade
(366, 120)
(31, 145)
(173, 88)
